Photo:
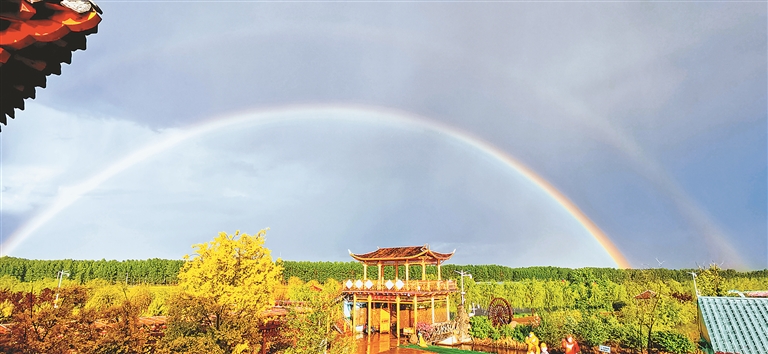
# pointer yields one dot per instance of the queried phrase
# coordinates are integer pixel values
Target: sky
(516, 133)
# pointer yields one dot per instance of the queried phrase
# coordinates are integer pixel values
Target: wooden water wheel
(499, 312)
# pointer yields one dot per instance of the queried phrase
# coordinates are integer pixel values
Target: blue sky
(650, 117)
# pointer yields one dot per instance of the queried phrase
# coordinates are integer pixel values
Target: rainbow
(171, 138)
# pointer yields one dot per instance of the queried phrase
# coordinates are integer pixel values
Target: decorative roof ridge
(402, 253)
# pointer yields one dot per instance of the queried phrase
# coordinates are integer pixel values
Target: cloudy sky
(356, 125)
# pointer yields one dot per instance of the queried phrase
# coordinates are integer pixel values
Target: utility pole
(463, 274)
(60, 275)
(693, 274)
(696, 289)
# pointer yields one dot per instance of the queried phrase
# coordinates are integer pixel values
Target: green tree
(593, 330)
(595, 298)
(536, 294)
(710, 282)
(554, 295)
(556, 325)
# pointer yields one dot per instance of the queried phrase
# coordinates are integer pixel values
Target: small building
(399, 304)
(734, 324)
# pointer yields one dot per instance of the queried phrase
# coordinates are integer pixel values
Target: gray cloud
(607, 101)
(322, 185)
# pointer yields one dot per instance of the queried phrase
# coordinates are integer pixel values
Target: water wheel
(499, 312)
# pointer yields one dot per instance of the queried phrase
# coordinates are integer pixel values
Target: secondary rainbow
(173, 137)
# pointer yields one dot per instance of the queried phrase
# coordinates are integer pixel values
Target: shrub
(593, 331)
(481, 328)
(105, 297)
(520, 332)
(673, 342)
(556, 325)
(624, 335)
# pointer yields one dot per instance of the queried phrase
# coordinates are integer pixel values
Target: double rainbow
(377, 115)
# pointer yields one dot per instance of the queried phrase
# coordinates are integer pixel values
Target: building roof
(399, 255)
(735, 324)
(645, 295)
(36, 36)
(762, 293)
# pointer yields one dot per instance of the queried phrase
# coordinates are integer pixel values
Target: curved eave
(441, 256)
(36, 36)
(428, 256)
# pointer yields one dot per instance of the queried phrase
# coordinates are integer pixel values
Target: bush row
(164, 271)
(590, 331)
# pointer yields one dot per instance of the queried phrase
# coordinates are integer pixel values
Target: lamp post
(693, 274)
(696, 290)
(463, 274)
(60, 275)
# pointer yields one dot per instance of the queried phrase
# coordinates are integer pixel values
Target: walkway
(387, 344)
(384, 344)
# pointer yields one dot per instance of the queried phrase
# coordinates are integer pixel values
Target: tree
(235, 270)
(593, 330)
(40, 327)
(710, 282)
(122, 332)
(536, 294)
(225, 286)
(315, 326)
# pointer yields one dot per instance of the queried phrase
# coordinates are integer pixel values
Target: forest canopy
(157, 271)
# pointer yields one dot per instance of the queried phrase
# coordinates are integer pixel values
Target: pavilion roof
(399, 255)
(36, 36)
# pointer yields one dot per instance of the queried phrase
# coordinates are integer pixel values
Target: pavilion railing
(395, 285)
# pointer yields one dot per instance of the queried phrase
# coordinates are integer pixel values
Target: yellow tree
(710, 282)
(226, 285)
(235, 270)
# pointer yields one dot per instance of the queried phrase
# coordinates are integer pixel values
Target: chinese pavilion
(399, 304)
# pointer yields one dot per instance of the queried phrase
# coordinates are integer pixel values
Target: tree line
(157, 271)
(341, 271)
(149, 271)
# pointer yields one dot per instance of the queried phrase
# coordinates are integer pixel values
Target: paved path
(403, 351)
(383, 344)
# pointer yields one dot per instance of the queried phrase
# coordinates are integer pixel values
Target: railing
(399, 285)
(440, 331)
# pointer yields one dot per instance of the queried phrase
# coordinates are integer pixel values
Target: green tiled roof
(735, 324)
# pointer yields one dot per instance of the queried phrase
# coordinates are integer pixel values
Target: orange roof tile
(645, 295)
(35, 38)
(392, 255)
